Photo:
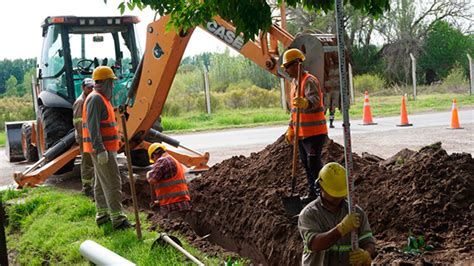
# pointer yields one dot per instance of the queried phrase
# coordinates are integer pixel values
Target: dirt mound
(429, 193)
(237, 203)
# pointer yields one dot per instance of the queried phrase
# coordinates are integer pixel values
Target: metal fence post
(206, 90)
(471, 74)
(413, 74)
(351, 84)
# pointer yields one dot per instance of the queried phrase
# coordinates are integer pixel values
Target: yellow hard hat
(153, 147)
(332, 179)
(103, 73)
(291, 55)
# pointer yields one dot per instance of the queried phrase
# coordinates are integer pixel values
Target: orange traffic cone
(404, 115)
(454, 117)
(367, 115)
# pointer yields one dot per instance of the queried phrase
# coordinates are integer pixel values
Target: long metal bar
(345, 117)
(180, 249)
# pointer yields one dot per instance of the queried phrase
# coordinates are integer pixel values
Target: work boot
(330, 123)
(124, 225)
(102, 220)
(88, 191)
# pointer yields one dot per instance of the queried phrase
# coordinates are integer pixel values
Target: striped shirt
(163, 168)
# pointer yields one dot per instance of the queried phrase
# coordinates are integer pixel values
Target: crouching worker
(325, 224)
(168, 182)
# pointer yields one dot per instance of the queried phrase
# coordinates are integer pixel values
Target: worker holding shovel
(168, 182)
(307, 97)
(325, 224)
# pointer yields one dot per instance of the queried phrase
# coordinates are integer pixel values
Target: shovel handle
(297, 130)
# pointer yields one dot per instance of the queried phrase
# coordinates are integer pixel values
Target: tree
(404, 29)
(443, 48)
(249, 16)
(11, 86)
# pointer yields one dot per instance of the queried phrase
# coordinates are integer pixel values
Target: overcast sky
(20, 24)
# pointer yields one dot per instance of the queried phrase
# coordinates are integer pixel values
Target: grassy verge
(2, 139)
(47, 226)
(391, 105)
(380, 106)
(225, 119)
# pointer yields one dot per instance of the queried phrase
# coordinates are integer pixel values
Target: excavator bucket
(13, 149)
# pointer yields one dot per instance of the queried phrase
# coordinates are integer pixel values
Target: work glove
(301, 102)
(349, 223)
(290, 136)
(360, 257)
(102, 157)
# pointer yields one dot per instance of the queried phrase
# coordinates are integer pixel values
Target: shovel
(293, 204)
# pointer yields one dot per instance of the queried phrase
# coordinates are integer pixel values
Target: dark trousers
(310, 150)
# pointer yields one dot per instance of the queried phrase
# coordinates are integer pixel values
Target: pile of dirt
(427, 193)
(237, 203)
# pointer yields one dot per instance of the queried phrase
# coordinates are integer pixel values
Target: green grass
(47, 225)
(2, 139)
(391, 105)
(225, 119)
(380, 106)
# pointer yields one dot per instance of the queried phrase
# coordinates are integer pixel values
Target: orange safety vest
(108, 127)
(173, 189)
(312, 120)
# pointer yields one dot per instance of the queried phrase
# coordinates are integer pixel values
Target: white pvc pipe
(100, 255)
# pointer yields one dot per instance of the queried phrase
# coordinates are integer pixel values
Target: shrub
(371, 83)
(456, 80)
(258, 97)
(235, 98)
(15, 109)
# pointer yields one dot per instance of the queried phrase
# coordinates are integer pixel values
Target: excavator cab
(72, 48)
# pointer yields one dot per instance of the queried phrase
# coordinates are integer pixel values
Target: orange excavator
(143, 84)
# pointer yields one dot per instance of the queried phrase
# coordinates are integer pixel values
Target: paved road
(384, 139)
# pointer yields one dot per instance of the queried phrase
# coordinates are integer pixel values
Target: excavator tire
(56, 124)
(29, 150)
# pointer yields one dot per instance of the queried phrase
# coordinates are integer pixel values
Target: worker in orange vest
(101, 139)
(312, 129)
(169, 183)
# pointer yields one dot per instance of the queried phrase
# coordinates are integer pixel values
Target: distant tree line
(15, 76)
(437, 32)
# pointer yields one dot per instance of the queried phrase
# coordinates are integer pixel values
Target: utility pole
(413, 74)
(471, 74)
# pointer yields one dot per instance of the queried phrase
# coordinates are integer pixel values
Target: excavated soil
(238, 210)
